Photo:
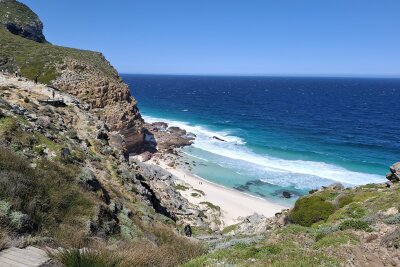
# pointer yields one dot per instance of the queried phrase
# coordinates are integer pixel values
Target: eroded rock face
(108, 96)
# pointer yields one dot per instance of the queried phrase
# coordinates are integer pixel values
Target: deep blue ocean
(281, 133)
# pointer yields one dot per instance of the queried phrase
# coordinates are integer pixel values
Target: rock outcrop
(394, 174)
(108, 96)
(18, 19)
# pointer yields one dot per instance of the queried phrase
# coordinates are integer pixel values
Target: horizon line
(372, 76)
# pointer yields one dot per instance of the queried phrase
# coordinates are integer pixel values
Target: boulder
(145, 156)
(286, 194)
(394, 174)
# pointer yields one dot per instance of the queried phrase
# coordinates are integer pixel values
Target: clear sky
(247, 37)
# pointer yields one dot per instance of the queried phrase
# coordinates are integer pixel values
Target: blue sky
(246, 37)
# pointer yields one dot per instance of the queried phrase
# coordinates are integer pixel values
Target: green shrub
(310, 210)
(394, 219)
(211, 205)
(229, 228)
(345, 200)
(181, 187)
(355, 225)
(322, 231)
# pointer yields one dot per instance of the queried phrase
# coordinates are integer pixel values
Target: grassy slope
(40, 59)
(356, 213)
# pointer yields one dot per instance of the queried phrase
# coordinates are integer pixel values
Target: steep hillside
(63, 185)
(85, 74)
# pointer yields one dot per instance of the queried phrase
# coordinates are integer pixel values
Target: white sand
(233, 203)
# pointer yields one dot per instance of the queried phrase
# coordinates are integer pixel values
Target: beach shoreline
(234, 204)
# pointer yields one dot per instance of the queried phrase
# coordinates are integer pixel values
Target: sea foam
(234, 154)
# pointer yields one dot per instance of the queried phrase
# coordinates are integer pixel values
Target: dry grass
(169, 250)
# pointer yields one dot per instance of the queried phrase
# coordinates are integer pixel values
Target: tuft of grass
(229, 228)
(180, 187)
(211, 205)
(87, 258)
(170, 250)
(199, 191)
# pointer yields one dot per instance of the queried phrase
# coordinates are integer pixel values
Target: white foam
(199, 131)
(300, 171)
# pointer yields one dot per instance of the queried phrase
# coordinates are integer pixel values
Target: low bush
(345, 200)
(394, 219)
(229, 229)
(310, 210)
(181, 187)
(211, 205)
(355, 225)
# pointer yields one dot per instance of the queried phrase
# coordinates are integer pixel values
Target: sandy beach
(233, 204)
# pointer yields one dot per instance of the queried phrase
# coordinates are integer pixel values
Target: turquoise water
(281, 134)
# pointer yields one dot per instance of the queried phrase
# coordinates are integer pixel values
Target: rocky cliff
(85, 74)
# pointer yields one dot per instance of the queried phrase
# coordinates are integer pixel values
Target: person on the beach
(54, 93)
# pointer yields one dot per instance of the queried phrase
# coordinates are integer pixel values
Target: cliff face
(107, 96)
(85, 74)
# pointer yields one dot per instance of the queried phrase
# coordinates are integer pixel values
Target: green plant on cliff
(310, 210)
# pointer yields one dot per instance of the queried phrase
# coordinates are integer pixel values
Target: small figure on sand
(53, 93)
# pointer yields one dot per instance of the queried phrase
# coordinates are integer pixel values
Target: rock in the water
(218, 138)
(286, 194)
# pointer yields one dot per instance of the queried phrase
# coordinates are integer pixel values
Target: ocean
(279, 133)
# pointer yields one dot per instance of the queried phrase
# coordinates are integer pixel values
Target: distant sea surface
(280, 134)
